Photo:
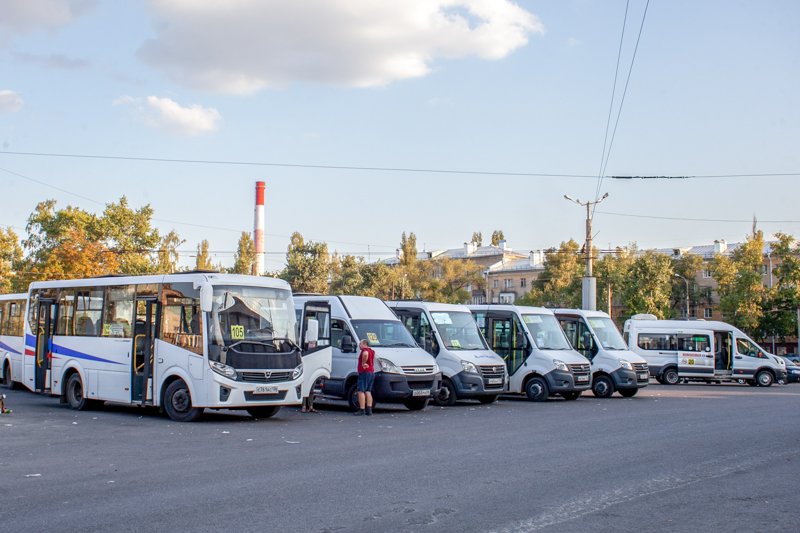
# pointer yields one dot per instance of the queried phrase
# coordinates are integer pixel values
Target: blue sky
(477, 85)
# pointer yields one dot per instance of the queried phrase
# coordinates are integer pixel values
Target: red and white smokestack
(258, 234)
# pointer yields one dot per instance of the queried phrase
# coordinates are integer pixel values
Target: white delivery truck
(404, 372)
(701, 350)
(614, 367)
(470, 370)
(539, 359)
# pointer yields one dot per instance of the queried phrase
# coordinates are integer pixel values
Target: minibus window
(658, 341)
(745, 347)
(694, 343)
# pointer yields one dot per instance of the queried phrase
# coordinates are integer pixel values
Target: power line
(687, 219)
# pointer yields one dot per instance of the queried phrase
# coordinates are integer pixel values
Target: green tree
(168, 255)
(408, 247)
(612, 272)
(10, 258)
(128, 233)
(347, 275)
(497, 236)
(559, 284)
(686, 266)
(378, 280)
(449, 280)
(245, 259)
(477, 239)
(741, 291)
(307, 265)
(649, 285)
(203, 260)
(780, 318)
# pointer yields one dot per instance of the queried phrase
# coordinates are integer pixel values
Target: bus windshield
(546, 332)
(607, 333)
(252, 320)
(384, 333)
(458, 330)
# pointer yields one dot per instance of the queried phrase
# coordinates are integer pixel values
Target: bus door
(695, 358)
(47, 319)
(145, 331)
(317, 354)
(723, 354)
(507, 339)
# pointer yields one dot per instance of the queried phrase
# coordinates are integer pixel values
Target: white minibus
(614, 367)
(404, 372)
(183, 342)
(470, 370)
(701, 350)
(539, 359)
(12, 311)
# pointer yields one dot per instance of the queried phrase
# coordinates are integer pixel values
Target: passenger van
(470, 370)
(539, 359)
(614, 367)
(404, 372)
(701, 350)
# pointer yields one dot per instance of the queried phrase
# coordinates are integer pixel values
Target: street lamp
(589, 288)
(687, 293)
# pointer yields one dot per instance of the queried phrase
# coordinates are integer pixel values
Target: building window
(507, 298)
(764, 270)
(707, 273)
(495, 283)
(708, 312)
(508, 283)
(523, 282)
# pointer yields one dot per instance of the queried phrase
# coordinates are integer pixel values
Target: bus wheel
(536, 389)
(264, 412)
(416, 405)
(75, 397)
(602, 387)
(7, 381)
(574, 395)
(352, 397)
(488, 399)
(446, 397)
(178, 403)
(628, 393)
(671, 377)
(764, 378)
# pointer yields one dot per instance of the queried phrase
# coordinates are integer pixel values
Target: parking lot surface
(681, 458)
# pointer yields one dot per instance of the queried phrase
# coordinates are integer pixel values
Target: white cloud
(10, 101)
(168, 115)
(573, 42)
(241, 46)
(24, 16)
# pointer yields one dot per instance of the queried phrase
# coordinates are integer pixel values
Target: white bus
(12, 312)
(183, 342)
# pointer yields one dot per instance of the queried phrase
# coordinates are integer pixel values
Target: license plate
(643, 376)
(424, 392)
(495, 381)
(581, 378)
(266, 390)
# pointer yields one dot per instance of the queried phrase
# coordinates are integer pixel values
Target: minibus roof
(429, 306)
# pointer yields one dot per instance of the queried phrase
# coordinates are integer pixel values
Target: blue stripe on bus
(60, 350)
(30, 340)
(6, 347)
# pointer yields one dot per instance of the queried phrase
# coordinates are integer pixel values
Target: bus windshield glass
(607, 333)
(252, 320)
(546, 332)
(384, 333)
(458, 330)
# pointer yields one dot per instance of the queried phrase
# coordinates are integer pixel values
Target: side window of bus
(118, 312)
(745, 347)
(33, 311)
(658, 341)
(181, 322)
(66, 312)
(580, 337)
(89, 312)
(4, 317)
(338, 331)
(693, 343)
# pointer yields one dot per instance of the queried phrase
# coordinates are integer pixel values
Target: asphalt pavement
(681, 458)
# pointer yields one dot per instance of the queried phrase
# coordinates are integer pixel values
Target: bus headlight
(224, 370)
(297, 372)
(389, 367)
(469, 367)
(625, 364)
(560, 365)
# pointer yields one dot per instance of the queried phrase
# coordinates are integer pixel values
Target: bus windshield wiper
(403, 344)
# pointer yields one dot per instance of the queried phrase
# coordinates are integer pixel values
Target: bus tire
(178, 402)
(8, 382)
(671, 376)
(765, 378)
(602, 387)
(417, 404)
(264, 412)
(446, 396)
(352, 397)
(574, 395)
(628, 393)
(75, 393)
(536, 389)
(485, 400)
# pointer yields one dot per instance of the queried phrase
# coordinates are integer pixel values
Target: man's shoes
(360, 412)
(368, 411)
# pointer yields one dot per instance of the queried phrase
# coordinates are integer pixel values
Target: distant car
(795, 358)
(792, 370)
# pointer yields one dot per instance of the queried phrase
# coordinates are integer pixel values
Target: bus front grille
(264, 376)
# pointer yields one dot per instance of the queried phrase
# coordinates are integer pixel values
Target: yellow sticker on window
(455, 343)
(237, 332)
(372, 338)
(106, 330)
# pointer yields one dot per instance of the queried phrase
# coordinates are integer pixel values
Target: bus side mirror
(312, 331)
(206, 297)
(348, 346)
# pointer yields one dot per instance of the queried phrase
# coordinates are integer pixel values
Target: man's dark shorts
(365, 381)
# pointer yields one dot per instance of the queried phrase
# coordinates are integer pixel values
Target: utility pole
(589, 288)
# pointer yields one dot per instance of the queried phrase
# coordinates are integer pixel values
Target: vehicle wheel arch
(71, 368)
(529, 376)
(174, 374)
(770, 370)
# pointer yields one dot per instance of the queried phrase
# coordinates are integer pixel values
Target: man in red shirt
(366, 378)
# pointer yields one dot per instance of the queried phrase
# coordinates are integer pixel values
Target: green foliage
(497, 236)
(128, 233)
(559, 284)
(346, 275)
(408, 247)
(448, 280)
(477, 239)
(780, 318)
(307, 265)
(612, 272)
(168, 256)
(686, 266)
(741, 291)
(203, 259)
(649, 285)
(10, 258)
(245, 259)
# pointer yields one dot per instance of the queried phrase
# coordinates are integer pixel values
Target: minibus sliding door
(148, 316)
(45, 327)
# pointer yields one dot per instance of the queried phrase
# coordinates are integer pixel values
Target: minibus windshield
(384, 333)
(607, 333)
(458, 330)
(546, 332)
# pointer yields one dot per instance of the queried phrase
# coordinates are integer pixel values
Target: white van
(614, 367)
(404, 372)
(470, 370)
(539, 359)
(699, 349)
